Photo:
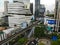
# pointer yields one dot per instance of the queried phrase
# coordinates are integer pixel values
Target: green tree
(41, 44)
(50, 15)
(22, 41)
(55, 42)
(39, 32)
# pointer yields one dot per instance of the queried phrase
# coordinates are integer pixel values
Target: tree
(39, 32)
(56, 42)
(22, 41)
(50, 15)
(41, 44)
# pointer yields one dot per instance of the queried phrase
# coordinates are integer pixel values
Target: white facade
(25, 1)
(15, 4)
(28, 19)
(16, 20)
(46, 22)
(2, 36)
(49, 25)
(16, 8)
(18, 0)
(1, 19)
(6, 7)
(19, 8)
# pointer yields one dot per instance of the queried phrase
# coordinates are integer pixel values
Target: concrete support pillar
(6, 43)
(33, 29)
(25, 34)
(31, 32)
(3, 44)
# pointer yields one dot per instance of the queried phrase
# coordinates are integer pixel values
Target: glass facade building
(37, 5)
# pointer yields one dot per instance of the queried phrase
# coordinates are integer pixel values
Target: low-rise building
(50, 23)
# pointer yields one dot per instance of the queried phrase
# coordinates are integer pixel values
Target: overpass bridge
(6, 41)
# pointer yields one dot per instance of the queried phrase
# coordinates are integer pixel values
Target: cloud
(49, 4)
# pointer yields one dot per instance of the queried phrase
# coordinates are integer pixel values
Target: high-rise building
(31, 7)
(17, 11)
(57, 15)
(6, 7)
(37, 6)
(16, 8)
(19, 7)
(6, 12)
(41, 10)
(18, 1)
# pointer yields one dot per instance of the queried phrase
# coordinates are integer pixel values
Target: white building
(16, 20)
(28, 19)
(19, 20)
(26, 3)
(47, 24)
(18, 9)
(1, 19)
(6, 7)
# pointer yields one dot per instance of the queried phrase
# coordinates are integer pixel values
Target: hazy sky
(49, 4)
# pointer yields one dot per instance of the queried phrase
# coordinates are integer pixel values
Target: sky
(49, 4)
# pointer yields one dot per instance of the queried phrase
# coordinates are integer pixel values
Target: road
(45, 41)
(18, 34)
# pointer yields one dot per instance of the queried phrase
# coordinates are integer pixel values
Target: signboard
(51, 21)
(54, 38)
(49, 28)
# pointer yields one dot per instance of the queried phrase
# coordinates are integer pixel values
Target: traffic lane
(16, 35)
(33, 42)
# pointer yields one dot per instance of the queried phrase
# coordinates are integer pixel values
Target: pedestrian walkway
(45, 41)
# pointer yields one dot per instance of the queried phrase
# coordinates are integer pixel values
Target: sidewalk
(45, 41)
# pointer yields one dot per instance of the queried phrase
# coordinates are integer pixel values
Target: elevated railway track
(19, 33)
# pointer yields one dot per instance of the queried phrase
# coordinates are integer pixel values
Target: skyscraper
(6, 7)
(21, 7)
(57, 15)
(37, 5)
(31, 7)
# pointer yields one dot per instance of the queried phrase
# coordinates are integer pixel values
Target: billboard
(51, 21)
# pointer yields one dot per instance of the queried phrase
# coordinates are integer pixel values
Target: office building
(31, 7)
(20, 7)
(6, 7)
(41, 10)
(37, 6)
(17, 11)
(16, 20)
(18, 1)
(16, 8)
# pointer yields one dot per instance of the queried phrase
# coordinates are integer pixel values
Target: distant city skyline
(49, 4)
